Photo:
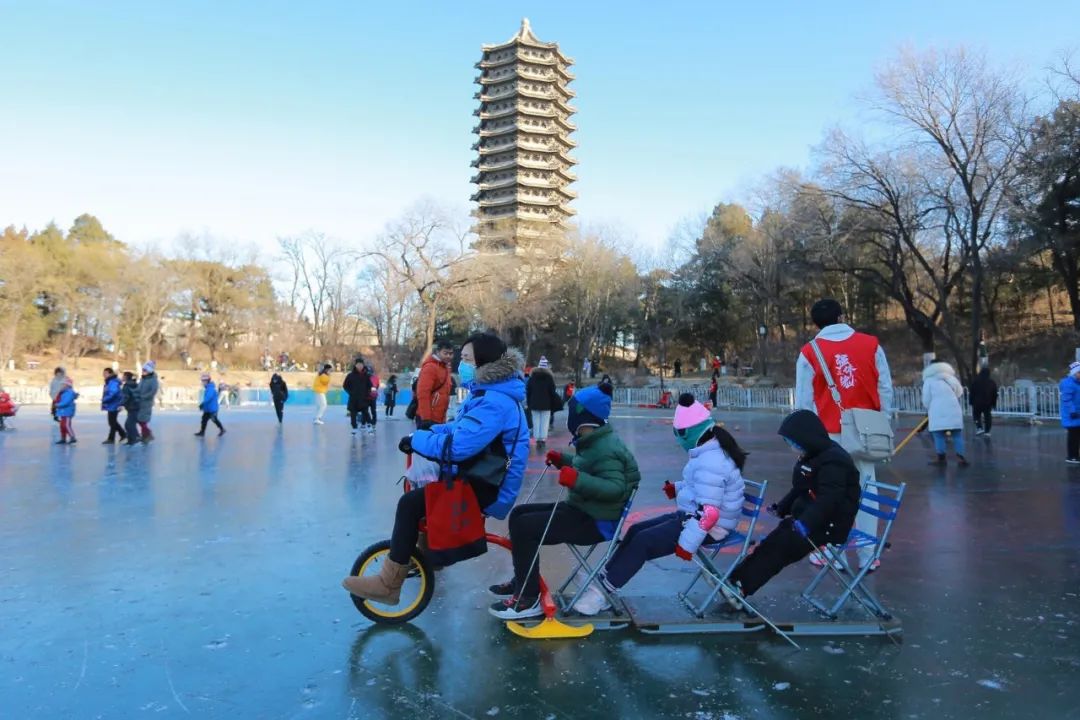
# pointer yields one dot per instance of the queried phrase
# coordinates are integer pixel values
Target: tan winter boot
(382, 588)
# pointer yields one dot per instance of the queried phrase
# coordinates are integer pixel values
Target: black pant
(411, 510)
(780, 548)
(648, 540)
(373, 410)
(279, 408)
(364, 411)
(1074, 443)
(390, 409)
(114, 427)
(983, 419)
(207, 417)
(131, 425)
(527, 523)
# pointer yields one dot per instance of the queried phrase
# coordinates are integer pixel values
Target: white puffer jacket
(941, 393)
(709, 478)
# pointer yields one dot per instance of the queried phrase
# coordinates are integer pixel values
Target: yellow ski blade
(549, 629)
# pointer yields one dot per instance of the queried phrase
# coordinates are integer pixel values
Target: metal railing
(1033, 402)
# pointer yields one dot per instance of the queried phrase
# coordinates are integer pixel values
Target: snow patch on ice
(781, 686)
(832, 650)
(492, 712)
(992, 684)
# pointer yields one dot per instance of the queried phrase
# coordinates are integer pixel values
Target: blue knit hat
(591, 406)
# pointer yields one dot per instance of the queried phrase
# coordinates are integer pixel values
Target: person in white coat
(941, 394)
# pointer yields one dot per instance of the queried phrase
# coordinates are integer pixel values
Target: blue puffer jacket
(65, 403)
(111, 397)
(1070, 401)
(495, 412)
(209, 402)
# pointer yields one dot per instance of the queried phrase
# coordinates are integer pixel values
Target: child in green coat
(599, 478)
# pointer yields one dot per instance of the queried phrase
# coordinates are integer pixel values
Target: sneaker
(221, 432)
(986, 434)
(72, 441)
(64, 442)
(354, 431)
(818, 560)
(979, 432)
(734, 599)
(517, 608)
(592, 601)
(505, 589)
(199, 434)
(873, 567)
(1072, 461)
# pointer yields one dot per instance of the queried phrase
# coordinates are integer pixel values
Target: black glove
(426, 425)
(405, 444)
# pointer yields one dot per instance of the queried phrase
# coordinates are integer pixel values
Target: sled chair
(706, 556)
(888, 498)
(590, 572)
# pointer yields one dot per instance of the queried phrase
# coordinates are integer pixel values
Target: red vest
(853, 365)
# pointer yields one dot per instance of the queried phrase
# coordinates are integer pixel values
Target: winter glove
(554, 458)
(568, 477)
(709, 516)
(683, 554)
(669, 490)
(425, 425)
(800, 528)
(405, 444)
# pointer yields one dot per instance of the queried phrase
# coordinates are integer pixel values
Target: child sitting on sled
(708, 500)
(7, 409)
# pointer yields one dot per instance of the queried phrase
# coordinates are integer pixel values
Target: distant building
(524, 166)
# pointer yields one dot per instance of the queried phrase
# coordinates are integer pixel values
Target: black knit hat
(487, 347)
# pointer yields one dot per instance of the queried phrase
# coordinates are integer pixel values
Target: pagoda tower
(524, 166)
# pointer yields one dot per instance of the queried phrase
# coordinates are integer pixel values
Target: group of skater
(600, 474)
(838, 369)
(119, 392)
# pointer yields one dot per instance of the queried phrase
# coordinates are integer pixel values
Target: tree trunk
(429, 339)
(976, 309)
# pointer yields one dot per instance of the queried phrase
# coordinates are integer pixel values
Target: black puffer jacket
(984, 391)
(358, 386)
(825, 484)
(540, 393)
(278, 389)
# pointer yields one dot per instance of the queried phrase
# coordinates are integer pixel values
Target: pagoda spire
(524, 166)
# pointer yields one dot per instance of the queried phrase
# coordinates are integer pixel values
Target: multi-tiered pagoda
(524, 164)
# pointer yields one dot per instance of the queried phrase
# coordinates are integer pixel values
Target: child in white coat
(709, 501)
(941, 393)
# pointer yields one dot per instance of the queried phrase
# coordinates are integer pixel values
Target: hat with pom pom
(692, 420)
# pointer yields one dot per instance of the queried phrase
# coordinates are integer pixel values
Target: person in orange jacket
(433, 388)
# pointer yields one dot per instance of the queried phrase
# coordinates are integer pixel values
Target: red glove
(683, 554)
(554, 458)
(669, 490)
(568, 477)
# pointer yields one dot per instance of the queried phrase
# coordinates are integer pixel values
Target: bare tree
(962, 115)
(421, 249)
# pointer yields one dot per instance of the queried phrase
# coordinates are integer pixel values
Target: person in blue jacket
(65, 411)
(209, 406)
(1070, 412)
(111, 402)
(493, 375)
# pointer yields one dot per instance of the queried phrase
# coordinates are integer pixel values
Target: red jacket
(852, 364)
(433, 391)
(7, 408)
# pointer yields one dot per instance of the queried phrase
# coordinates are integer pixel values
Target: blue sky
(257, 119)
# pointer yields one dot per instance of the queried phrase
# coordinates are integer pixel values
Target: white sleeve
(804, 385)
(884, 382)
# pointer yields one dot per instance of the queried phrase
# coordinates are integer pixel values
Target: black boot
(963, 461)
(940, 462)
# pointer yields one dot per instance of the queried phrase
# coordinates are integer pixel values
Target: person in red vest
(861, 374)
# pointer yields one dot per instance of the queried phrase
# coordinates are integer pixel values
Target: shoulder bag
(866, 434)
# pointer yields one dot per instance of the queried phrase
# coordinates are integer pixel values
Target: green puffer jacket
(607, 474)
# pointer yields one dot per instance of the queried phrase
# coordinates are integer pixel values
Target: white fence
(1039, 401)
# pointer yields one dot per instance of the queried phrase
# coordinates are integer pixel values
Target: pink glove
(709, 515)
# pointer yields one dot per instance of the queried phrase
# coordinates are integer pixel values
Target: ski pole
(543, 536)
(537, 484)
